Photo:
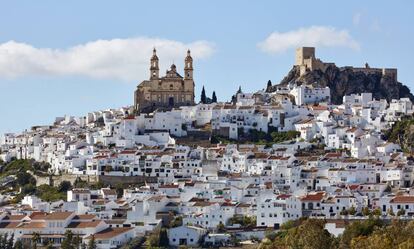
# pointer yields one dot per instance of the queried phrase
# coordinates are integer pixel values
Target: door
(171, 101)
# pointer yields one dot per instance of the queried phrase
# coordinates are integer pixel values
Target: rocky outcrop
(344, 81)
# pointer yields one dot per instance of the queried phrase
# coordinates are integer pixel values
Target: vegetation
(23, 165)
(269, 86)
(259, 137)
(203, 98)
(244, 221)
(92, 243)
(214, 97)
(158, 239)
(368, 234)
(50, 193)
(402, 133)
(135, 243)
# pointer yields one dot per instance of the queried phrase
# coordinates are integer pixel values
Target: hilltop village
(207, 174)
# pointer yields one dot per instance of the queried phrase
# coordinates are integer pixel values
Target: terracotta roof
(107, 191)
(403, 199)
(15, 217)
(30, 225)
(110, 233)
(313, 196)
(84, 217)
(84, 224)
(58, 216)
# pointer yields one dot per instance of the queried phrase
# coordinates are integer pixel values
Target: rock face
(345, 81)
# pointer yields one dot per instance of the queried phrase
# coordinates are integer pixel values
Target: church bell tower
(154, 69)
(188, 68)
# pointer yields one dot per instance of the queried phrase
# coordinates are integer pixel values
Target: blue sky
(70, 58)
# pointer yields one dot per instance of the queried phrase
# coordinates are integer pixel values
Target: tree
(366, 211)
(64, 186)
(203, 98)
(310, 234)
(377, 212)
(164, 242)
(352, 210)
(269, 86)
(18, 245)
(10, 242)
(239, 90)
(35, 240)
(214, 97)
(401, 212)
(221, 228)
(67, 242)
(390, 212)
(24, 178)
(92, 243)
(77, 241)
(359, 229)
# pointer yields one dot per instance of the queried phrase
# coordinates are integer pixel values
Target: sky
(69, 58)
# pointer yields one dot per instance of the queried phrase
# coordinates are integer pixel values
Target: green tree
(377, 212)
(10, 242)
(310, 234)
(24, 178)
(366, 211)
(401, 212)
(214, 97)
(67, 242)
(92, 243)
(77, 241)
(352, 210)
(359, 229)
(18, 245)
(239, 90)
(164, 242)
(269, 86)
(203, 97)
(64, 186)
(221, 228)
(35, 240)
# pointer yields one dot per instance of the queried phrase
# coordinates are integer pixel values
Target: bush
(64, 186)
(24, 178)
(50, 193)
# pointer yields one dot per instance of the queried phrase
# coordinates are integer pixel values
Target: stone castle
(306, 61)
(165, 93)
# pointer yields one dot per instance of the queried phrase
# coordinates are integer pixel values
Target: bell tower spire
(154, 69)
(188, 68)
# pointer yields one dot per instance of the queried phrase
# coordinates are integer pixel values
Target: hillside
(344, 81)
(402, 133)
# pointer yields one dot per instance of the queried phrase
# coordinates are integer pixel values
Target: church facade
(169, 91)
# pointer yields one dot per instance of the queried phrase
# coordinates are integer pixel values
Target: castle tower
(154, 69)
(188, 68)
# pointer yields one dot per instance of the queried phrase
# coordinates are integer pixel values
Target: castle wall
(306, 60)
(392, 72)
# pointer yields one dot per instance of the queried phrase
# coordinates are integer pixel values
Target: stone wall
(114, 180)
(56, 180)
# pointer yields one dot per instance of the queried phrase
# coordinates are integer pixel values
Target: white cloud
(124, 59)
(315, 36)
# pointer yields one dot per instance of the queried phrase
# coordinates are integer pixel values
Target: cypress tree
(269, 86)
(203, 98)
(214, 97)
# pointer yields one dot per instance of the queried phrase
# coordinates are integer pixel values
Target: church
(165, 93)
